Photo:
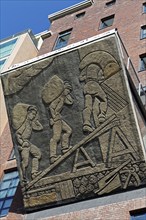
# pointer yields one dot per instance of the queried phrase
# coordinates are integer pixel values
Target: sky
(20, 15)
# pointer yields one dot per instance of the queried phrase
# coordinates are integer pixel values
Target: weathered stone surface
(73, 126)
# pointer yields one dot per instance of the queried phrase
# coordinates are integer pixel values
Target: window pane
(14, 182)
(10, 175)
(4, 212)
(62, 40)
(1, 203)
(9, 184)
(2, 63)
(3, 193)
(109, 22)
(143, 32)
(139, 217)
(143, 63)
(106, 22)
(6, 48)
(144, 8)
(7, 203)
(11, 192)
(5, 184)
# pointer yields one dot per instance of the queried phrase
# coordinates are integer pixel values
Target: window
(8, 187)
(106, 22)
(6, 48)
(5, 51)
(110, 3)
(138, 214)
(80, 15)
(62, 39)
(2, 62)
(144, 8)
(142, 62)
(143, 32)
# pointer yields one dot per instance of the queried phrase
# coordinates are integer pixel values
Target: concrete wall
(23, 50)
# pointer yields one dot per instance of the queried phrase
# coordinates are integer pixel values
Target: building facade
(70, 26)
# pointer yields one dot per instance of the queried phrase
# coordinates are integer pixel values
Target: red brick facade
(128, 20)
(116, 211)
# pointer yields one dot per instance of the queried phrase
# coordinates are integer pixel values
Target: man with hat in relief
(25, 120)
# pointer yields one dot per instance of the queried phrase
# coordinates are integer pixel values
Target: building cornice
(70, 10)
(44, 34)
(16, 35)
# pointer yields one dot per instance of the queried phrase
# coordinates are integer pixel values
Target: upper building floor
(90, 18)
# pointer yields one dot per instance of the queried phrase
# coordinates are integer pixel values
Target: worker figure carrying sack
(56, 94)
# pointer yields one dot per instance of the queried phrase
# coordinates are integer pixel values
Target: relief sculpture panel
(73, 126)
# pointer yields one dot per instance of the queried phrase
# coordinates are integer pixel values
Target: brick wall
(6, 147)
(117, 211)
(128, 20)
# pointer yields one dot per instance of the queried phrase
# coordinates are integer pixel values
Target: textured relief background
(73, 126)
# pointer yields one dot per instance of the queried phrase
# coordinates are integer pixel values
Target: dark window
(138, 215)
(144, 8)
(62, 39)
(143, 32)
(142, 62)
(110, 3)
(106, 22)
(8, 187)
(80, 15)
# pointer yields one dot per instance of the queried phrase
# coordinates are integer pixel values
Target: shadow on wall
(17, 204)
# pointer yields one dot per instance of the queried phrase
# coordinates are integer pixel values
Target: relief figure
(56, 94)
(25, 121)
(95, 97)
